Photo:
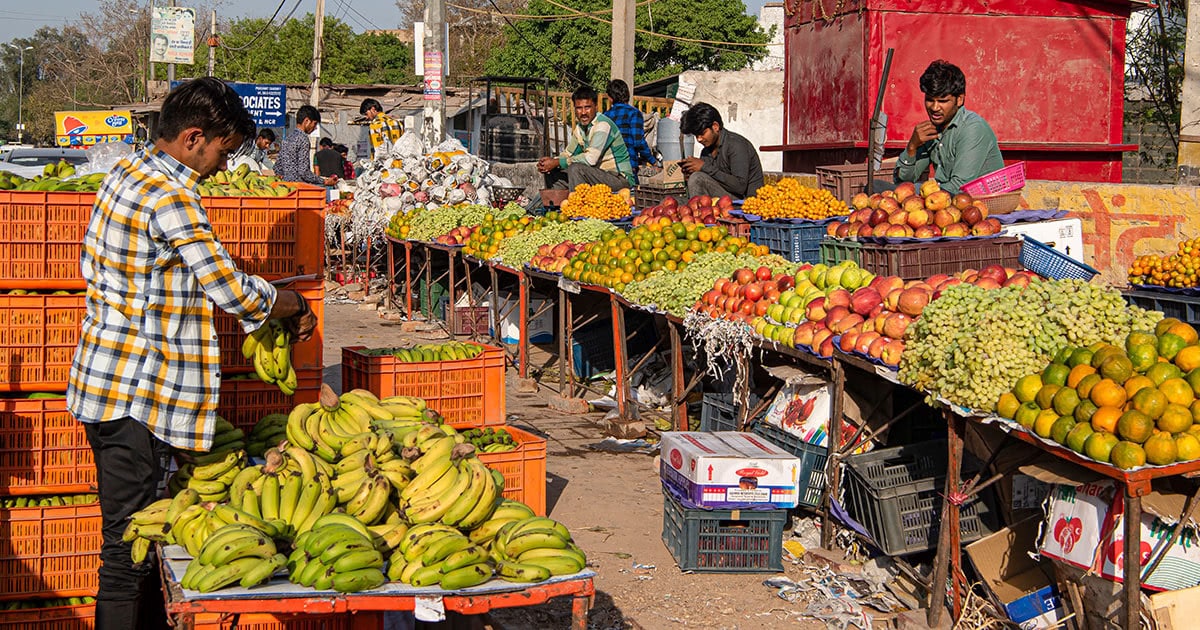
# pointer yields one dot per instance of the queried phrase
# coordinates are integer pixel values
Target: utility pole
(213, 41)
(170, 66)
(624, 14)
(1189, 105)
(314, 96)
(433, 130)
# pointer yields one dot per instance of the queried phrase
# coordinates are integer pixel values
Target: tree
(577, 50)
(1154, 72)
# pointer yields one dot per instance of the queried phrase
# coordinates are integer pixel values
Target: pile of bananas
(267, 432)
(54, 602)
(489, 440)
(596, 202)
(52, 501)
(55, 177)
(183, 520)
(234, 553)
(325, 426)
(449, 351)
(436, 554)
(270, 350)
(339, 553)
(534, 549)
(242, 182)
(210, 474)
(291, 490)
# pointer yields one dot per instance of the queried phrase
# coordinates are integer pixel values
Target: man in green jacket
(595, 153)
(959, 143)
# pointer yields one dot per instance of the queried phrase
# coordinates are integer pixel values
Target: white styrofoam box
(1064, 235)
(541, 326)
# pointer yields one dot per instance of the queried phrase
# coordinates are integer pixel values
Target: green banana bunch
(534, 549)
(439, 555)
(235, 553)
(50, 501)
(338, 553)
(291, 490)
(325, 427)
(56, 177)
(506, 512)
(270, 350)
(267, 432)
(54, 602)
(490, 440)
(449, 351)
(210, 474)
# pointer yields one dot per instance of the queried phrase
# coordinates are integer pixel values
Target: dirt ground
(613, 505)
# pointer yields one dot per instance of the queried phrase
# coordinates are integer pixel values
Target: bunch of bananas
(185, 521)
(53, 602)
(436, 554)
(338, 553)
(451, 484)
(234, 553)
(55, 177)
(267, 432)
(450, 351)
(52, 501)
(292, 489)
(534, 549)
(489, 440)
(270, 350)
(327, 425)
(211, 473)
(242, 182)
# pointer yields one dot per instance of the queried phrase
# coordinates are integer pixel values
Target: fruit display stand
(362, 610)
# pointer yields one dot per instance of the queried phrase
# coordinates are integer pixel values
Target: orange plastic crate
(38, 335)
(41, 236)
(50, 551)
(302, 621)
(80, 617)
(524, 469)
(306, 355)
(468, 393)
(245, 401)
(43, 449)
(272, 237)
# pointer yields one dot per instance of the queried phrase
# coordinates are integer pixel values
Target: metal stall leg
(523, 326)
(619, 349)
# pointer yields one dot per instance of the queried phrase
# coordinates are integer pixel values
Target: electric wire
(266, 26)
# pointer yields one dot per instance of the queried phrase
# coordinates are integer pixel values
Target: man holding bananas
(146, 374)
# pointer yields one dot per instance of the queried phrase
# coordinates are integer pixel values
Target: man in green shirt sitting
(595, 153)
(958, 142)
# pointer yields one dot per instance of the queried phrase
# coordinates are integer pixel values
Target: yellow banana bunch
(270, 350)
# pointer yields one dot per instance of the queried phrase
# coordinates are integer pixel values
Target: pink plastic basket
(1007, 179)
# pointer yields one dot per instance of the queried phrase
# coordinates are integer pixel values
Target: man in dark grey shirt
(728, 165)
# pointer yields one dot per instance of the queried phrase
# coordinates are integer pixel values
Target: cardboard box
(671, 175)
(1021, 586)
(729, 469)
(1085, 527)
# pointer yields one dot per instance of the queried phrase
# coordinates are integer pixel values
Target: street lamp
(20, 91)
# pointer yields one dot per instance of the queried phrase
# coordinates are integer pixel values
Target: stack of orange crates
(468, 393)
(53, 552)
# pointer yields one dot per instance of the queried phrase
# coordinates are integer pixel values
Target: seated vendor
(728, 164)
(595, 153)
(959, 143)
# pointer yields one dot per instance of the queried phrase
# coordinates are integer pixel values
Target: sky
(20, 18)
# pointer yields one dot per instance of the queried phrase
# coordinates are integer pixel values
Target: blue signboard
(265, 102)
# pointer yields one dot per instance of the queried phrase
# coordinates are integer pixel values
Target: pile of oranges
(1128, 406)
(619, 258)
(597, 201)
(1180, 270)
(484, 242)
(789, 199)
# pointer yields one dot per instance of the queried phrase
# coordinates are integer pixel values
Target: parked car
(43, 156)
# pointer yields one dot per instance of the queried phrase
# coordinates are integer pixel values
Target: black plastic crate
(719, 413)
(593, 349)
(797, 242)
(811, 479)
(647, 196)
(724, 541)
(896, 494)
(1185, 308)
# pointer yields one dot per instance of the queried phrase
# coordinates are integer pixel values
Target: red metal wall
(1047, 75)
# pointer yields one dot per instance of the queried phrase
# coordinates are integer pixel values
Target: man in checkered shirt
(146, 374)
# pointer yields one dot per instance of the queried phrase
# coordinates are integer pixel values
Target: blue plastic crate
(797, 242)
(1048, 262)
(1185, 308)
(592, 345)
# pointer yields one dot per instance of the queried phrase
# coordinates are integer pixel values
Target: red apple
(864, 341)
(927, 231)
(899, 217)
(864, 300)
(956, 229)
(938, 200)
(837, 229)
(815, 311)
(804, 334)
(838, 297)
(928, 187)
(877, 345)
(905, 190)
(889, 205)
(913, 300)
(898, 230)
(895, 325)
(962, 201)
(995, 272)
(878, 217)
(847, 342)
(825, 349)
(891, 352)
(860, 201)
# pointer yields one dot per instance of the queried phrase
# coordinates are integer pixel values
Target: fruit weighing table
(280, 597)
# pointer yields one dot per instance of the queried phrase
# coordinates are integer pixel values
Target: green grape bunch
(520, 249)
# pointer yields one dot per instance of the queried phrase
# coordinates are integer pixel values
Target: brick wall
(1154, 162)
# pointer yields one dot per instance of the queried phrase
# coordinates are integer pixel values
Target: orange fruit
(1175, 419)
(1081, 356)
(1107, 393)
(1138, 338)
(1135, 426)
(1188, 358)
(1078, 372)
(1150, 402)
(1169, 344)
(1087, 383)
(1187, 447)
(1126, 455)
(1184, 331)
(1066, 400)
(1103, 353)
(1085, 410)
(1044, 422)
(1136, 383)
(1161, 450)
(1027, 414)
(1106, 419)
(1027, 387)
(1143, 356)
(1099, 445)
(1064, 355)
(1045, 395)
(1117, 367)
(1061, 428)
(1006, 406)
(1164, 325)
(1078, 436)
(1162, 371)
(1056, 374)
(1178, 391)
